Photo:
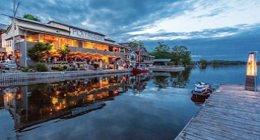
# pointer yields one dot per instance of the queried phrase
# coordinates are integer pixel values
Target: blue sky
(220, 29)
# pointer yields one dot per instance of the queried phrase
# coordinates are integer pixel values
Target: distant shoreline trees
(221, 62)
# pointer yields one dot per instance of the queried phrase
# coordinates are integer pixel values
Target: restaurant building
(83, 43)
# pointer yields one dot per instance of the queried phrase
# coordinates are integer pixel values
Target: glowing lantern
(251, 72)
(251, 65)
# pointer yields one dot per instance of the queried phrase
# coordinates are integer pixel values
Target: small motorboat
(141, 69)
(202, 90)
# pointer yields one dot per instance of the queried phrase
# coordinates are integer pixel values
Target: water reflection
(138, 82)
(31, 105)
(173, 79)
(38, 109)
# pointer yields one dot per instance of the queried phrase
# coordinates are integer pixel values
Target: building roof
(109, 39)
(48, 24)
(74, 27)
(3, 27)
(162, 60)
(34, 30)
(112, 42)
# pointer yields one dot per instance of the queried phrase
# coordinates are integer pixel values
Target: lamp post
(251, 72)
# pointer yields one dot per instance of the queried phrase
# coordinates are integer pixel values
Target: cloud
(207, 15)
(222, 26)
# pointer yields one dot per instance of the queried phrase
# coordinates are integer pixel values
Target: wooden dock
(230, 113)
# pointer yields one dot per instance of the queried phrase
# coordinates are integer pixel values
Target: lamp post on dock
(251, 72)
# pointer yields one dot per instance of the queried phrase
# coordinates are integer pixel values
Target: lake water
(146, 106)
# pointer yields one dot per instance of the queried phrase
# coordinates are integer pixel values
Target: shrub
(41, 67)
(31, 70)
(25, 69)
(60, 68)
(54, 67)
(65, 67)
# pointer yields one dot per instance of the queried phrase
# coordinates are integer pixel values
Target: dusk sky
(219, 29)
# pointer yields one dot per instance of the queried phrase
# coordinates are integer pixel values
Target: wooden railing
(94, 51)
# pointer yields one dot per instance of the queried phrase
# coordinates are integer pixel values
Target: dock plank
(229, 113)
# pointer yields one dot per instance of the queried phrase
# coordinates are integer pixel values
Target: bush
(41, 67)
(60, 68)
(31, 70)
(25, 69)
(54, 67)
(65, 67)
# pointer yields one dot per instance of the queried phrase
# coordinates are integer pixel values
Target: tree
(50, 51)
(64, 50)
(38, 51)
(161, 52)
(136, 43)
(31, 17)
(181, 55)
(203, 62)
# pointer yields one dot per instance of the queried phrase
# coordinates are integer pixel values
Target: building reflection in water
(35, 104)
(137, 83)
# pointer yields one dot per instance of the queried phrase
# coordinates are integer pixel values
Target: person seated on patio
(43, 60)
(74, 65)
(54, 60)
(85, 66)
(96, 64)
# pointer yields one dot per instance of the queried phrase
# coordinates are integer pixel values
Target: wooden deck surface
(230, 113)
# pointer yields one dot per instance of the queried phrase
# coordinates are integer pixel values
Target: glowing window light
(29, 39)
(251, 65)
(54, 100)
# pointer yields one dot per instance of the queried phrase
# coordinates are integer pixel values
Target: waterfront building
(83, 43)
(2, 50)
(137, 54)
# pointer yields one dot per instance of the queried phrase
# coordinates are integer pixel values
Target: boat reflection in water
(35, 104)
(198, 99)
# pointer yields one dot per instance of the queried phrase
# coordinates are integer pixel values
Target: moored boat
(139, 70)
(202, 90)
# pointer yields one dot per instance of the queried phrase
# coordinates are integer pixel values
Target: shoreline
(9, 79)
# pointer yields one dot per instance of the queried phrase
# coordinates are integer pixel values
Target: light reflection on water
(146, 106)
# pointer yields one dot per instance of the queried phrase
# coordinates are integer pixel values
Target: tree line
(179, 55)
(204, 62)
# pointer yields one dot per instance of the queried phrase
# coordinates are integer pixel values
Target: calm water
(147, 106)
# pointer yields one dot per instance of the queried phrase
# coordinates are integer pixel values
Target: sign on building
(86, 35)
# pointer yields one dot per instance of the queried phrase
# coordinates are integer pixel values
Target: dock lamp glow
(251, 72)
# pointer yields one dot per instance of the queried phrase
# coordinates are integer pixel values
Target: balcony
(85, 50)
